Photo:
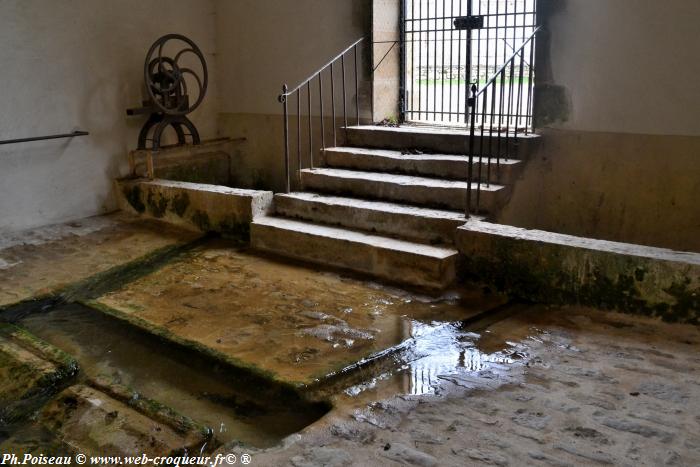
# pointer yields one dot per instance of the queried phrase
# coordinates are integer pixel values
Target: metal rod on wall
(43, 138)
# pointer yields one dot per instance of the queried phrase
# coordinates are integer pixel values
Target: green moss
(180, 203)
(116, 277)
(263, 378)
(66, 365)
(601, 280)
(201, 220)
(133, 197)
(157, 204)
(687, 301)
(28, 388)
(212, 170)
(149, 407)
(230, 227)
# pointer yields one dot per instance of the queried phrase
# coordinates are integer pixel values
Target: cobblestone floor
(593, 388)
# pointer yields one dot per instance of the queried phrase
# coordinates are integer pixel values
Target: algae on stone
(94, 422)
(30, 371)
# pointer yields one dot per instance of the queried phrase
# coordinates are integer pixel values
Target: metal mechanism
(327, 73)
(42, 138)
(168, 100)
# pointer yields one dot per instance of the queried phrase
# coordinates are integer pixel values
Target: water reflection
(437, 350)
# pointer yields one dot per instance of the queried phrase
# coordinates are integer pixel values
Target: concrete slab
(550, 267)
(397, 261)
(286, 322)
(42, 262)
(432, 139)
(449, 194)
(30, 371)
(98, 422)
(449, 166)
(193, 205)
(404, 221)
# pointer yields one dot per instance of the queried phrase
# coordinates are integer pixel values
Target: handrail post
(345, 103)
(471, 107)
(357, 87)
(283, 100)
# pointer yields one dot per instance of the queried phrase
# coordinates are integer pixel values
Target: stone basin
(286, 322)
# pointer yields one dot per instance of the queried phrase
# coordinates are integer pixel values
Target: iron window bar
(43, 138)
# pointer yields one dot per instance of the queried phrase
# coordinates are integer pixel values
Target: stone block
(556, 268)
(207, 208)
(30, 371)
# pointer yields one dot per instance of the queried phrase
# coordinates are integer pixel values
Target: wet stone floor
(585, 388)
(293, 324)
(208, 346)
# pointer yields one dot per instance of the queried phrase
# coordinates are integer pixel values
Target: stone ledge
(209, 162)
(207, 208)
(556, 268)
(30, 371)
(104, 421)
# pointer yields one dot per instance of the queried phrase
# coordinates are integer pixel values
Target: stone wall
(79, 64)
(266, 43)
(619, 158)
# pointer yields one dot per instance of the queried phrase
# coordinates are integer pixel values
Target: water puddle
(480, 356)
(191, 386)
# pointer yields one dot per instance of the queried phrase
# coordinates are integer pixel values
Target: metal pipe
(420, 57)
(42, 138)
(435, 63)
(286, 139)
(320, 100)
(311, 134)
(471, 108)
(442, 68)
(298, 93)
(530, 85)
(335, 137)
(345, 103)
(357, 88)
(505, 65)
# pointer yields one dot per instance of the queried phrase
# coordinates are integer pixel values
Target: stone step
(394, 260)
(451, 166)
(428, 139)
(400, 220)
(449, 194)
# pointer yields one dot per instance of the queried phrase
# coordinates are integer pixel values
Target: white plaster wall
(78, 64)
(631, 66)
(265, 43)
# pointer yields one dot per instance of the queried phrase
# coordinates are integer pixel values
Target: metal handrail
(507, 62)
(42, 138)
(321, 96)
(509, 110)
(322, 69)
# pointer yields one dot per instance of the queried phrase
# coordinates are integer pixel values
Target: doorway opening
(450, 45)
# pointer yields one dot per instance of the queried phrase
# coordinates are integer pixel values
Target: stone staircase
(387, 204)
